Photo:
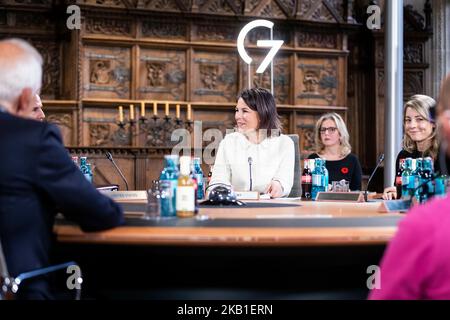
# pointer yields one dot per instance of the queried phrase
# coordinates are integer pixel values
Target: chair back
(5, 280)
(296, 190)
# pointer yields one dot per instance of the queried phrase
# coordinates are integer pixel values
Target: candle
(167, 109)
(120, 114)
(131, 111)
(155, 110)
(142, 109)
(178, 111)
(189, 111)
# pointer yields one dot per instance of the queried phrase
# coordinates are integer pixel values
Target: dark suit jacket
(37, 180)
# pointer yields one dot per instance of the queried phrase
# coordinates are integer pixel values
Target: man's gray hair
(20, 68)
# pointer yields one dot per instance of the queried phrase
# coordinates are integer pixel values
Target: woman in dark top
(419, 137)
(332, 144)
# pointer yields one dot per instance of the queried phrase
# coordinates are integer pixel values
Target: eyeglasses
(331, 130)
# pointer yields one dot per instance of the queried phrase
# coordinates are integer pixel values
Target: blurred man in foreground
(37, 177)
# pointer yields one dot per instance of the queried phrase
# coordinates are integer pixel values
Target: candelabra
(157, 131)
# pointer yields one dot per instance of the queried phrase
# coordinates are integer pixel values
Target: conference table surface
(304, 223)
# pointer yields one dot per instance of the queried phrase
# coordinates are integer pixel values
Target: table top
(304, 224)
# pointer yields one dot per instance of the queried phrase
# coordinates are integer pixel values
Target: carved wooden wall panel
(106, 72)
(214, 76)
(317, 81)
(163, 29)
(162, 75)
(110, 26)
(100, 128)
(282, 76)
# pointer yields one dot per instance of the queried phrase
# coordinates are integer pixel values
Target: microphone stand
(110, 158)
(250, 167)
(380, 160)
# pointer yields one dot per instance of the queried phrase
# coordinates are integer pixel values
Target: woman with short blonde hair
(332, 143)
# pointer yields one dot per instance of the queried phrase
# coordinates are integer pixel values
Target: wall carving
(317, 40)
(65, 123)
(413, 52)
(105, 3)
(99, 134)
(164, 30)
(51, 75)
(318, 82)
(162, 75)
(306, 139)
(96, 25)
(215, 6)
(215, 32)
(106, 72)
(215, 77)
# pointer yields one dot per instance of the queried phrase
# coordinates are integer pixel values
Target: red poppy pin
(344, 170)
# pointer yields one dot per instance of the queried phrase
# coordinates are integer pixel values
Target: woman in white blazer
(256, 157)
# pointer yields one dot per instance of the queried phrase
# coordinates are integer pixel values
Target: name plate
(355, 196)
(126, 195)
(247, 195)
(395, 206)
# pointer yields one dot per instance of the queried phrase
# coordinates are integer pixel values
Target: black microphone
(380, 160)
(250, 168)
(110, 158)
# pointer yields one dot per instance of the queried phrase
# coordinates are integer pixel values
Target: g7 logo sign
(275, 45)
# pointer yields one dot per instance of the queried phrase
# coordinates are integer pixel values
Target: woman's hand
(274, 189)
(390, 193)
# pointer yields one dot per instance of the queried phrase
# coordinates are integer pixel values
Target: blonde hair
(342, 129)
(422, 104)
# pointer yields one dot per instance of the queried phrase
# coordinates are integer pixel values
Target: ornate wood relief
(106, 72)
(413, 83)
(51, 76)
(214, 6)
(325, 10)
(316, 40)
(65, 123)
(162, 5)
(317, 82)
(108, 26)
(162, 75)
(214, 77)
(413, 52)
(288, 6)
(306, 137)
(163, 29)
(281, 81)
(268, 8)
(213, 31)
(99, 134)
(105, 3)
(281, 33)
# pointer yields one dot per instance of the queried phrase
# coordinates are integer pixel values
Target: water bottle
(417, 179)
(426, 174)
(167, 199)
(407, 180)
(198, 173)
(170, 174)
(317, 179)
(325, 175)
(85, 169)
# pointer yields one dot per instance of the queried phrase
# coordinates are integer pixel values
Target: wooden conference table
(301, 249)
(308, 223)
